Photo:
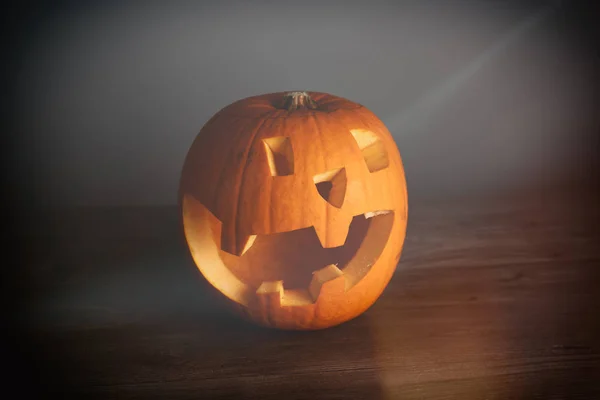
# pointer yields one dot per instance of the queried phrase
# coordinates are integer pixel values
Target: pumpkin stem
(299, 100)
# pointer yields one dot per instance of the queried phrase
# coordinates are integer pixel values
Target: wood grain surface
(494, 298)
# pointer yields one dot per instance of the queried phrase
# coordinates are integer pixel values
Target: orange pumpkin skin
(294, 207)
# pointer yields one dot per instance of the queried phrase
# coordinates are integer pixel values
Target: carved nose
(331, 185)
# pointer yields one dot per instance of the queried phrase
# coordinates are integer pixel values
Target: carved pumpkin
(294, 208)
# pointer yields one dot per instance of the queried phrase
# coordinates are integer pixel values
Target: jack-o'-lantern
(294, 208)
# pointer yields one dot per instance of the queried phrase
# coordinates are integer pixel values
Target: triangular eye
(372, 148)
(331, 185)
(280, 155)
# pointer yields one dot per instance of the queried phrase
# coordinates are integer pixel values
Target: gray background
(481, 96)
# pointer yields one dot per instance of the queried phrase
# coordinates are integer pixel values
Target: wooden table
(494, 298)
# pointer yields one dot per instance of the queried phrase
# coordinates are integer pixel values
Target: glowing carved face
(295, 208)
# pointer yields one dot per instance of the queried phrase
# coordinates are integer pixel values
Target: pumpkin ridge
(319, 133)
(230, 155)
(240, 187)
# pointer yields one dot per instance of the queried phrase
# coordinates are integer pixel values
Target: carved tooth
(270, 297)
(236, 245)
(270, 294)
(322, 276)
(270, 287)
(333, 233)
(371, 214)
(249, 243)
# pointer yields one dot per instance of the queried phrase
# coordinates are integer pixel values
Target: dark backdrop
(106, 97)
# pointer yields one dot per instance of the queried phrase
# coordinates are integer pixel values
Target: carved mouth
(294, 265)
